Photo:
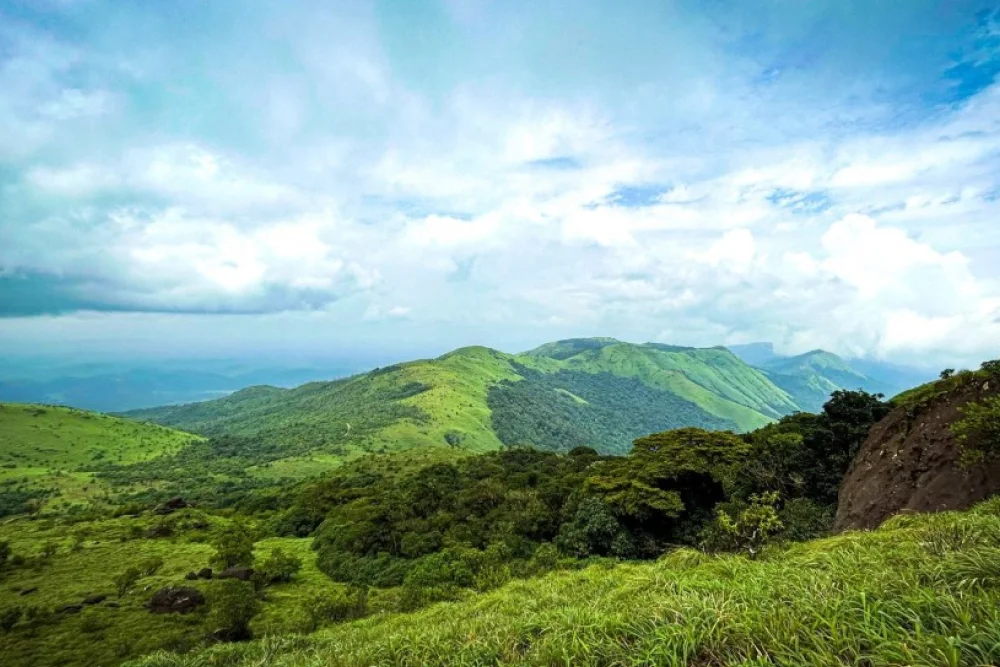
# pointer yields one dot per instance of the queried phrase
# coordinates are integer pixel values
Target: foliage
(560, 411)
(337, 607)
(233, 546)
(150, 566)
(126, 580)
(877, 598)
(4, 553)
(749, 528)
(978, 429)
(278, 567)
(234, 604)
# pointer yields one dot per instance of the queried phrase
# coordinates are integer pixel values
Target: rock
(172, 506)
(191, 576)
(205, 573)
(112, 604)
(236, 572)
(94, 599)
(28, 591)
(70, 609)
(175, 600)
(910, 463)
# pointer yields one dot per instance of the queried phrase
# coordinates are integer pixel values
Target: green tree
(750, 528)
(126, 580)
(978, 430)
(234, 604)
(594, 531)
(278, 567)
(233, 546)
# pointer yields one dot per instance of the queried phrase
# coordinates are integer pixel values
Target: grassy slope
(106, 634)
(921, 590)
(55, 447)
(452, 411)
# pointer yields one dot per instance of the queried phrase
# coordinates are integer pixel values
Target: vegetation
(919, 591)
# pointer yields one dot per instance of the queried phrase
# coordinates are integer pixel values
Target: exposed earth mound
(910, 460)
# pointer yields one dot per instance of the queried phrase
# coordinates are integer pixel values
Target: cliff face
(909, 462)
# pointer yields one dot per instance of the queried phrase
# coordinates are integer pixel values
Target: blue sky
(407, 177)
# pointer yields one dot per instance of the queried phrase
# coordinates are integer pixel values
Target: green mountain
(599, 392)
(48, 454)
(812, 376)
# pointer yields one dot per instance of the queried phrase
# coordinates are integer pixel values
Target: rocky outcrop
(176, 600)
(910, 461)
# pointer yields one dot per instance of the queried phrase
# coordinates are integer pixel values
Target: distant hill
(812, 376)
(599, 392)
(47, 449)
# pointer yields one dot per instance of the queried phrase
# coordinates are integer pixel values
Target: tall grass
(923, 590)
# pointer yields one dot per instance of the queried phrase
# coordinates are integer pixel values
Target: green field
(922, 590)
(50, 448)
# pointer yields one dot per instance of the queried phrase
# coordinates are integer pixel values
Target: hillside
(910, 593)
(54, 449)
(598, 392)
(921, 459)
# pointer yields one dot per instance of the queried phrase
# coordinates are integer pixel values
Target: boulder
(175, 600)
(94, 599)
(28, 591)
(205, 573)
(70, 609)
(240, 572)
(191, 576)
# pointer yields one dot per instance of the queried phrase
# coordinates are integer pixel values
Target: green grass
(57, 448)
(922, 590)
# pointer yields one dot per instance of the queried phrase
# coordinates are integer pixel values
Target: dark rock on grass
(172, 506)
(205, 573)
(94, 599)
(191, 576)
(236, 572)
(175, 600)
(70, 609)
(112, 604)
(28, 591)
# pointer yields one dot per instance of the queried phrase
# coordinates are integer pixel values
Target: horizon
(385, 180)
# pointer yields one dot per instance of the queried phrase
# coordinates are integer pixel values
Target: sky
(400, 178)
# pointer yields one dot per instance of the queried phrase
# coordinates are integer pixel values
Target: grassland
(922, 590)
(56, 449)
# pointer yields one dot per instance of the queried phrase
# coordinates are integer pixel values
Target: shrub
(4, 553)
(804, 519)
(233, 546)
(746, 529)
(341, 605)
(278, 567)
(150, 566)
(9, 618)
(978, 431)
(234, 604)
(126, 580)
(991, 367)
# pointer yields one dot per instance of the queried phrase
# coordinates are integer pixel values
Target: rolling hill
(598, 392)
(49, 450)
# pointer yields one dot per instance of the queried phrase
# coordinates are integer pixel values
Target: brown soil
(909, 463)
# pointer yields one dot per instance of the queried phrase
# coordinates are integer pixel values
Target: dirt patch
(909, 463)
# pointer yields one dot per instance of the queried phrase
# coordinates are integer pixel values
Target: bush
(4, 553)
(748, 528)
(233, 546)
(150, 566)
(804, 519)
(978, 431)
(341, 605)
(234, 604)
(126, 580)
(9, 618)
(278, 567)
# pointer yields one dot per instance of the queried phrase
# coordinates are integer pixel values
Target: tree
(278, 567)
(234, 604)
(947, 373)
(126, 580)
(594, 531)
(750, 528)
(233, 546)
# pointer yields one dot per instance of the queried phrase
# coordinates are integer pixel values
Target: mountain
(53, 451)
(599, 392)
(812, 376)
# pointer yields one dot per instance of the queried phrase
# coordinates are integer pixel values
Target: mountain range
(597, 392)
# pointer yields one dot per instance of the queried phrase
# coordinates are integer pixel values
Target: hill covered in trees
(595, 392)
